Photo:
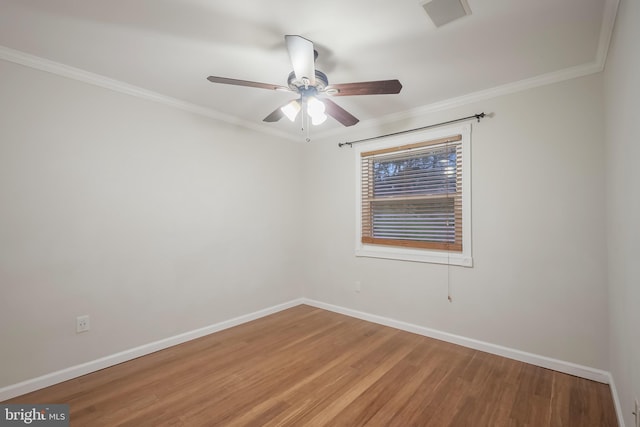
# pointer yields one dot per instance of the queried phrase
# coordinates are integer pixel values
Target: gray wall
(156, 221)
(151, 220)
(622, 95)
(538, 283)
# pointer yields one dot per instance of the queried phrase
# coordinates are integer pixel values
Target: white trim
(47, 380)
(494, 92)
(78, 74)
(606, 31)
(67, 71)
(72, 372)
(413, 254)
(523, 356)
(616, 400)
(460, 101)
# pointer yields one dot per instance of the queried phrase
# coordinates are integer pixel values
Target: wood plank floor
(309, 367)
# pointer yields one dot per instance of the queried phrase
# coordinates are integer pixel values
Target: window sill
(414, 255)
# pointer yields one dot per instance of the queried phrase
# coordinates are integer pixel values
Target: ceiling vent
(444, 11)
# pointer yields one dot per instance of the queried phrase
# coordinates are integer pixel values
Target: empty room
(339, 213)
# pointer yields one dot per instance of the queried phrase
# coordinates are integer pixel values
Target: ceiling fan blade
(339, 113)
(380, 87)
(276, 115)
(302, 57)
(236, 82)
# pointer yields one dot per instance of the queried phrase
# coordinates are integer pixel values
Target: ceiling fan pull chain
(302, 107)
(306, 117)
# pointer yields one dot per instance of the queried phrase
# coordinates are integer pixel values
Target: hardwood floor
(306, 366)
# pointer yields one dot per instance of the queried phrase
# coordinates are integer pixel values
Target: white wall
(539, 278)
(151, 220)
(622, 96)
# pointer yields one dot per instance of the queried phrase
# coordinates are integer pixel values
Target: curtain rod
(350, 143)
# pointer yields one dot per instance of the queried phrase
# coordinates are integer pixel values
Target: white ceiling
(171, 46)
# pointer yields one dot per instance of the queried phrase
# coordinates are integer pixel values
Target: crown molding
(482, 95)
(42, 64)
(606, 31)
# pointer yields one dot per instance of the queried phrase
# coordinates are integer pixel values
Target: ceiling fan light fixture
(308, 83)
(291, 110)
(315, 110)
(315, 106)
(318, 119)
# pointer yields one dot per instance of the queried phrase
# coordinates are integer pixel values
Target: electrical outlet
(358, 286)
(82, 323)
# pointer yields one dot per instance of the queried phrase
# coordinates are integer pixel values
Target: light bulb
(318, 119)
(291, 109)
(315, 107)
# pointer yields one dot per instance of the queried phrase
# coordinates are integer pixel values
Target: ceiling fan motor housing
(303, 86)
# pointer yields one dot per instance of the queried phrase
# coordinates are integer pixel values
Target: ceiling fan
(312, 86)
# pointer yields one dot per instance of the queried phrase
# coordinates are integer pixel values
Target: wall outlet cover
(82, 324)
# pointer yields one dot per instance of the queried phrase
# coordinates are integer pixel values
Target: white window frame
(463, 258)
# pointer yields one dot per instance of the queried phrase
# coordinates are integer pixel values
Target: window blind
(412, 195)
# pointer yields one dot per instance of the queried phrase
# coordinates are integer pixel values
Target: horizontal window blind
(412, 195)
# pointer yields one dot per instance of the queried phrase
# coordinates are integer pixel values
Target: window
(413, 197)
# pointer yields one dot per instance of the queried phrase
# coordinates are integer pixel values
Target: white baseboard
(523, 356)
(616, 401)
(47, 380)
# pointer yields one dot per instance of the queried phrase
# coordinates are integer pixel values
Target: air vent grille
(442, 12)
